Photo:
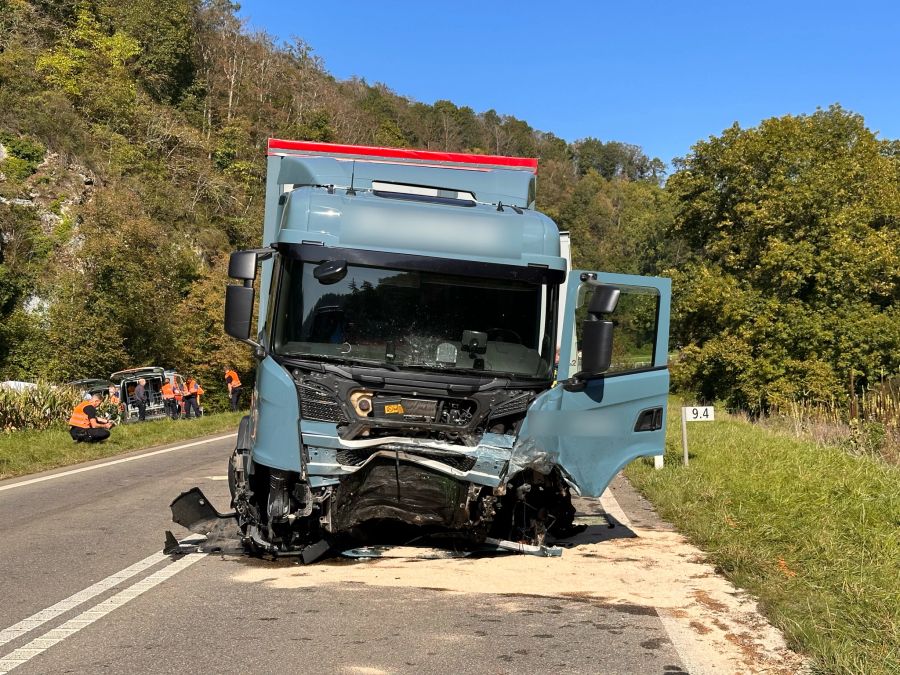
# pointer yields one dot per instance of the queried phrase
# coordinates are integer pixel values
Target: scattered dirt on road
(653, 570)
(700, 628)
(703, 598)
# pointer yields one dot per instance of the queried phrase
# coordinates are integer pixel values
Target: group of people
(93, 417)
(174, 396)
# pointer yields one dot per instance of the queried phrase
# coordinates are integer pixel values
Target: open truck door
(608, 407)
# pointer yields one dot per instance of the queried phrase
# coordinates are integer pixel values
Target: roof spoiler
(456, 160)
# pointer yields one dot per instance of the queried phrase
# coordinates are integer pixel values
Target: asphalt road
(85, 589)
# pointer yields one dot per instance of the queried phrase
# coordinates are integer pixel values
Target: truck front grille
(319, 404)
(513, 405)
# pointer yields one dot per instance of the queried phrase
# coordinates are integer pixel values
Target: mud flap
(193, 511)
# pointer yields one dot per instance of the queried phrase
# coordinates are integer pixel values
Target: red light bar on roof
(500, 161)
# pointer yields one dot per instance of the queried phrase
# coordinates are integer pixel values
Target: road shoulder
(715, 626)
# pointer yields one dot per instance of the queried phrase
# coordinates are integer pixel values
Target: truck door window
(634, 333)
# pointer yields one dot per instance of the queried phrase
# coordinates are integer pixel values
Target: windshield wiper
(495, 374)
(452, 369)
(343, 359)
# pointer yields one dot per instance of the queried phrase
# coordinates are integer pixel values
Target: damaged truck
(412, 308)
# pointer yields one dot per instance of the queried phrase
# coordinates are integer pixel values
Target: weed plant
(867, 424)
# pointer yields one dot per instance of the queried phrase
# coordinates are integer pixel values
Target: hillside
(133, 144)
(132, 148)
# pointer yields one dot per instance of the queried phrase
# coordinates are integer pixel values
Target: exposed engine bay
(412, 458)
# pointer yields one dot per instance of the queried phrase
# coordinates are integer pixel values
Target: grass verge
(23, 452)
(813, 532)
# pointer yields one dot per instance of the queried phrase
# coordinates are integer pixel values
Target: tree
(89, 65)
(164, 32)
(618, 225)
(116, 306)
(617, 160)
(795, 280)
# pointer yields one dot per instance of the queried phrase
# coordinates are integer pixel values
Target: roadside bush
(38, 408)
(24, 156)
(794, 272)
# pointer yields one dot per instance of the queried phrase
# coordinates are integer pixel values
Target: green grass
(813, 532)
(23, 452)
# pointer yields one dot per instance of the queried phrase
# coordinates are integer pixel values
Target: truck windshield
(402, 318)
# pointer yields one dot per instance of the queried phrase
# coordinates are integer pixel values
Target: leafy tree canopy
(794, 277)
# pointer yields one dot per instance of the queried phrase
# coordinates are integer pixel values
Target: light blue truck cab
(406, 333)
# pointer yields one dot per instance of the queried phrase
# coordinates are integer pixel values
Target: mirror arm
(258, 350)
(578, 382)
(264, 253)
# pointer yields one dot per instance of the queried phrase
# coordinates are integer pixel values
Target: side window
(634, 335)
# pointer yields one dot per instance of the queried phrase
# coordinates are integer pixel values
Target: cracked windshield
(415, 319)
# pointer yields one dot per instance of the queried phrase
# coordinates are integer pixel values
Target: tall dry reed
(866, 423)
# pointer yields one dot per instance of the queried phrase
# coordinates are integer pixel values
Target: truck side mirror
(596, 347)
(238, 311)
(597, 335)
(239, 299)
(242, 265)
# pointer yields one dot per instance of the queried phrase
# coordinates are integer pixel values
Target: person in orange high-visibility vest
(192, 391)
(85, 426)
(234, 388)
(170, 401)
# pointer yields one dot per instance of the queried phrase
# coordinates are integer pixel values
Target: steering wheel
(504, 335)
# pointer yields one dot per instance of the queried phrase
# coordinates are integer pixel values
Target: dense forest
(132, 158)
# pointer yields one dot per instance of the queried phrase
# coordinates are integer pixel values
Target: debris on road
(715, 627)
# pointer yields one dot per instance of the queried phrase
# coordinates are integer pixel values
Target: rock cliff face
(49, 195)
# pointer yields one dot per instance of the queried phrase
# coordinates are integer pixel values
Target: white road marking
(216, 477)
(89, 616)
(63, 606)
(677, 634)
(122, 460)
(683, 641)
(611, 506)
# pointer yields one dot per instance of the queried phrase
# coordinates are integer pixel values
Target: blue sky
(659, 74)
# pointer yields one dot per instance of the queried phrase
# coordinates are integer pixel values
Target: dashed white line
(89, 616)
(63, 606)
(122, 460)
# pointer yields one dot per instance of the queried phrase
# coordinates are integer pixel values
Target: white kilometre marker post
(695, 413)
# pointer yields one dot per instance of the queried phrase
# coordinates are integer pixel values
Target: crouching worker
(84, 425)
